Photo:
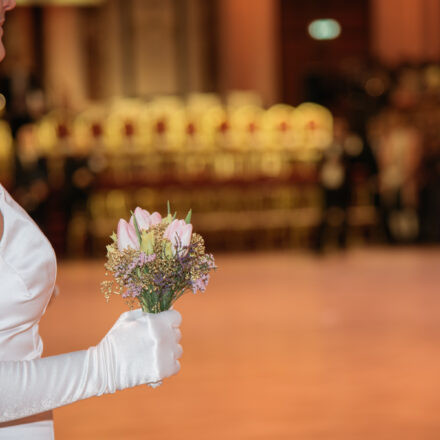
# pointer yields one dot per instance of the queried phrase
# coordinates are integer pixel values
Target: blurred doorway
(310, 61)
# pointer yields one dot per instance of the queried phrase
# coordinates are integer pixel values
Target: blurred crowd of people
(405, 136)
(396, 115)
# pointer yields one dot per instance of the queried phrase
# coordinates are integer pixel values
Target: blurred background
(305, 136)
(281, 123)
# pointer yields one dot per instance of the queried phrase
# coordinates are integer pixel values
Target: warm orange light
(58, 2)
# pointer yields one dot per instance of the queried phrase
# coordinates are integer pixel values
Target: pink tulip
(155, 218)
(145, 219)
(127, 236)
(179, 233)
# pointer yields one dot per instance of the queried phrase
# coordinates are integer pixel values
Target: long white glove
(140, 348)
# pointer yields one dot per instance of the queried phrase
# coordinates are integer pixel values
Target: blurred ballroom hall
(305, 137)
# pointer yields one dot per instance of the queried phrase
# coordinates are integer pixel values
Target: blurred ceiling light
(324, 29)
(58, 2)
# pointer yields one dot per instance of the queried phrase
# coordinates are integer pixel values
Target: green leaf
(168, 207)
(136, 227)
(174, 216)
(156, 304)
(188, 217)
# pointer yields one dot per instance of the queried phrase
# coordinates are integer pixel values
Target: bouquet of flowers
(155, 260)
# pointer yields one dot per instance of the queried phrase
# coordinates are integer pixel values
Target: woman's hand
(141, 348)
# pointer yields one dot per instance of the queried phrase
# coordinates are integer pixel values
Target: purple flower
(200, 283)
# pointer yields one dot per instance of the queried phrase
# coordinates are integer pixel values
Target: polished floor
(281, 346)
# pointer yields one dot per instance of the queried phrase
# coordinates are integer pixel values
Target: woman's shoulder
(25, 248)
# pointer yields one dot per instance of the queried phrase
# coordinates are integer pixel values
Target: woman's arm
(1, 225)
(140, 348)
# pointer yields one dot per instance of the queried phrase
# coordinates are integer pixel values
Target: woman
(138, 349)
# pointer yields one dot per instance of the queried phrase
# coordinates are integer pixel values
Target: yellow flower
(147, 242)
(168, 219)
(110, 249)
(168, 249)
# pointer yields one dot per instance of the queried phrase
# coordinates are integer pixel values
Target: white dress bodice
(27, 272)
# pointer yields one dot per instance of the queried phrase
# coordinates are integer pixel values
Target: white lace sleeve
(140, 348)
(31, 387)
